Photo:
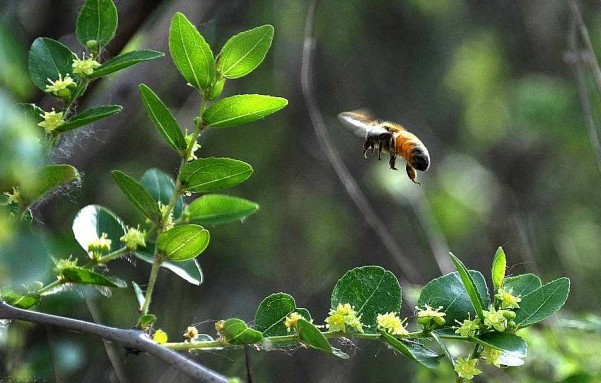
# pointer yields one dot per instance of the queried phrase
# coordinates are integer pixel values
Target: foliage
(365, 302)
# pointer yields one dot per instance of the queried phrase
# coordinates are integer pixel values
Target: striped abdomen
(412, 149)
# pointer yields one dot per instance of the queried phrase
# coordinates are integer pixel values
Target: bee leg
(392, 162)
(412, 174)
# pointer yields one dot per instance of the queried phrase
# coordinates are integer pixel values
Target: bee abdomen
(420, 158)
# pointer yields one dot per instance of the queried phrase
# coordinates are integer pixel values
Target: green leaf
(449, 292)
(542, 302)
(413, 350)
(97, 21)
(32, 111)
(214, 209)
(190, 53)
(48, 178)
(183, 243)
(93, 220)
(23, 301)
(125, 60)
(139, 295)
(244, 52)
(371, 290)
(163, 119)
(89, 116)
(162, 187)
(189, 271)
(210, 174)
(499, 264)
(272, 312)
(522, 284)
(241, 109)
(137, 195)
(83, 276)
(47, 60)
(312, 337)
(235, 331)
(146, 320)
(508, 343)
(470, 285)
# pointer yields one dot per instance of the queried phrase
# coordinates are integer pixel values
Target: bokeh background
(490, 87)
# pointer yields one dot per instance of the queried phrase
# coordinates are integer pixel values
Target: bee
(388, 137)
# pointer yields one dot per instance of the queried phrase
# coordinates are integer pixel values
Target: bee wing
(361, 123)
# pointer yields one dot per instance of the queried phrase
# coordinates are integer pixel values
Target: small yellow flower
(61, 86)
(195, 147)
(191, 334)
(134, 238)
(52, 120)
(219, 325)
(14, 197)
(85, 66)
(100, 245)
(466, 368)
(392, 324)
(342, 317)
(291, 320)
(430, 318)
(160, 336)
(468, 327)
(508, 300)
(492, 356)
(495, 319)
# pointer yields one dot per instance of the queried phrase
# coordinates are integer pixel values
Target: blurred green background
(483, 84)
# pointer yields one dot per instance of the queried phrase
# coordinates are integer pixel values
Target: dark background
(483, 84)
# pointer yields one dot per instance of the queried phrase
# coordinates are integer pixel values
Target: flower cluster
(468, 327)
(291, 320)
(99, 246)
(13, 197)
(392, 324)
(343, 318)
(134, 238)
(430, 318)
(85, 66)
(61, 87)
(191, 334)
(507, 299)
(466, 368)
(52, 120)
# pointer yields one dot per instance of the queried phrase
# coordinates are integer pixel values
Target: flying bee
(388, 137)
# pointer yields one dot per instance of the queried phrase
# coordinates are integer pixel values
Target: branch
(404, 262)
(131, 339)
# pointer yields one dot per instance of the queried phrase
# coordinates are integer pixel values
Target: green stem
(154, 272)
(49, 286)
(109, 257)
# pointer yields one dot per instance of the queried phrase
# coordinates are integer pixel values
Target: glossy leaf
(140, 298)
(241, 109)
(183, 243)
(23, 301)
(161, 187)
(522, 284)
(371, 290)
(470, 286)
(499, 264)
(97, 21)
(49, 178)
(272, 312)
(214, 209)
(542, 302)
(508, 343)
(235, 331)
(244, 52)
(137, 195)
(125, 60)
(146, 320)
(190, 53)
(210, 174)
(83, 276)
(449, 292)
(89, 116)
(189, 271)
(310, 335)
(93, 220)
(413, 350)
(162, 118)
(47, 60)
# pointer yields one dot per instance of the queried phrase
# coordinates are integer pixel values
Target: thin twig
(409, 270)
(574, 59)
(131, 339)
